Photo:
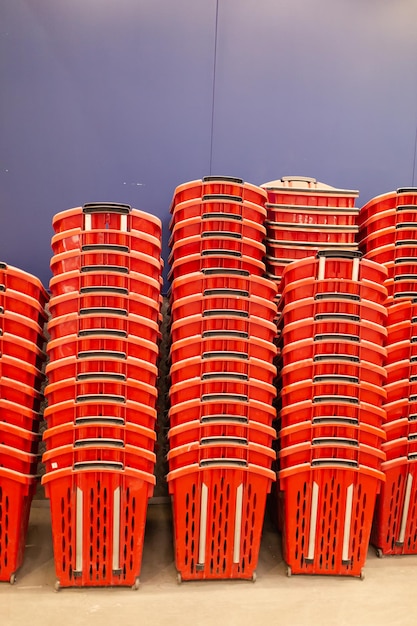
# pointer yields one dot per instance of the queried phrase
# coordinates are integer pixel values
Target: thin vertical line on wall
(415, 158)
(214, 84)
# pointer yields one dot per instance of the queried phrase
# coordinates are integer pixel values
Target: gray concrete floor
(386, 596)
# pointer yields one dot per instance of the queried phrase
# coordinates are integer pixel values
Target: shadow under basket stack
(305, 216)
(331, 410)
(388, 230)
(221, 395)
(22, 319)
(102, 390)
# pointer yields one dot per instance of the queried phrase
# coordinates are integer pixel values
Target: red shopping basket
(223, 426)
(320, 388)
(332, 427)
(210, 185)
(394, 529)
(332, 324)
(18, 415)
(14, 436)
(107, 298)
(26, 396)
(213, 224)
(209, 282)
(21, 371)
(337, 449)
(287, 250)
(214, 259)
(297, 214)
(336, 304)
(18, 461)
(223, 299)
(221, 342)
(99, 541)
(94, 409)
(223, 206)
(16, 324)
(223, 387)
(308, 191)
(103, 277)
(115, 258)
(305, 234)
(22, 304)
(22, 349)
(104, 363)
(107, 215)
(217, 448)
(214, 243)
(223, 407)
(22, 282)
(133, 240)
(16, 493)
(104, 428)
(333, 288)
(296, 371)
(402, 447)
(100, 389)
(214, 365)
(101, 320)
(218, 512)
(330, 408)
(223, 321)
(328, 510)
(377, 205)
(88, 345)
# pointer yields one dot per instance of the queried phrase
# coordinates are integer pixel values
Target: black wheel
(136, 584)
(379, 553)
(57, 585)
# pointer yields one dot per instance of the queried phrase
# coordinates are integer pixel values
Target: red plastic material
(223, 321)
(206, 283)
(84, 346)
(377, 206)
(214, 365)
(226, 244)
(218, 512)
(224, 407)
(216, 448)
(134, 240)
(305, 234)
(284, 250)
(225, 426)
(93, 410)
(218, 185)
(229, 301)
(333, 324)
(21, 371)
(210, 224)
(299, 215)
(16, 493)
(216, 259)
(15, 324)
(335, 387)
(219, 388)
(364, 371)
(84, 304)
(394, 530)
(328, 510)
(124, 262)
(99, 541)
(302, 190)
(219, 205)
(24, 395)
(331, 448)
(24, 305)
(17, 437)
(18, 348)
(336, 427)
(99, 450)
(88, 282)
(108, 363)
(350, 289)
(18, 461)
(330, 408)
(18, 415)
(107, 216)
(106, 428)
(402, 427)
(17, 280)
(365, 310)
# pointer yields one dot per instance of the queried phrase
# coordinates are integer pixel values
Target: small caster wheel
(289, 572)
(379, 553)
(362, 575)
(12, 579)
(57, 586)
(254, 577)
(179, 578)
(136, 584)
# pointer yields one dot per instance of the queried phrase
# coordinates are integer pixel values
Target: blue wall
(122, 100)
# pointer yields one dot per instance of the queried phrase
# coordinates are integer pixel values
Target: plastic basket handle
(121, 291)
(224, 292)
(237, 334)
(105, 247)
(99, 419)
(222, 252)
(1, 310)
(221, 463)
(336, 337)
(214, 271)
(334, 441)
(93, 332)
(98, 466)
(219, 441)
(336, 378)
(334, 295)
(233, 419)
(219, 234)
(353, 255)
(102, 354)
(340, 421)
(336, 317)
(107, 207)
(98, 397)
(406, 226)
(104, 311)
(221, 197)
(406, 207)
(121, 269)
(335, 399)
(412, 456)
(318, 358)
(223, 179)
(335, 462)
(99, 442)
(228, 375)
(225, 312)
(218, 354)
(222, 216)
(101, 376)
(405, 294)
(298, 179)
(222, 397)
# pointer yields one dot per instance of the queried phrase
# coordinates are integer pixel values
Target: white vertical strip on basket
(313, 521)
(238, 524)
(348, 519)
(79, 531)
(405, 508)
(116, 529)
(203, 525)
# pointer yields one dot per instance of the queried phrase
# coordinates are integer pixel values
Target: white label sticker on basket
(54, 465)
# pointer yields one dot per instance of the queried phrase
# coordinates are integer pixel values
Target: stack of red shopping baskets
(103, 351)
(388, 229)
(221, 391)
(22, 318)
(305, 216)
(331, 410)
